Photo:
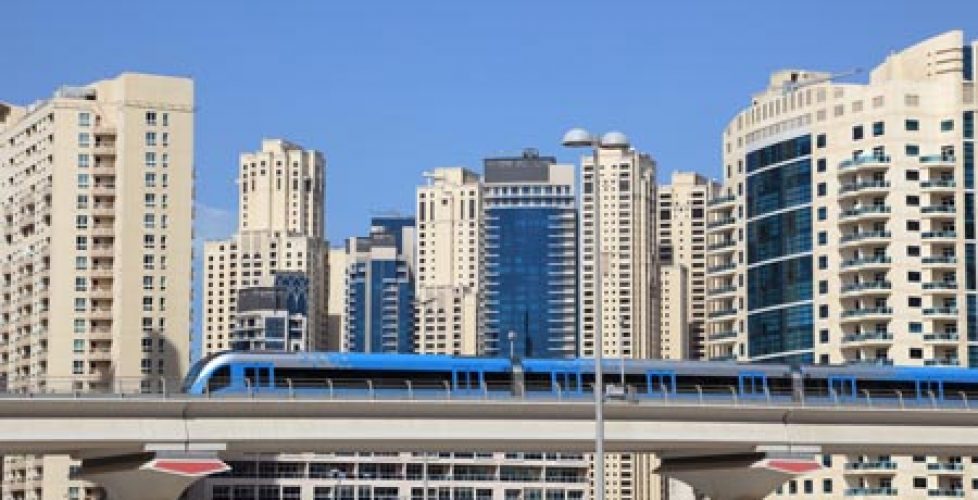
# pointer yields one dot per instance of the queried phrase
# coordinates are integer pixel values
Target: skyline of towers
(280, 228)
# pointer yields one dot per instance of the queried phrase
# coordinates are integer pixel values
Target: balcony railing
(946, 493)
(941, 311)
(721, 200)
(865, 160)
(720, 222)
(865, 236)
(879, 492)
(722, 267)
(940, 260)
(721, 290)
(941, 285)
(882, 259)
(939, 158)
(938, 183)
(942, 362)
(871, 209)
(945, 466)
(938, 337)
(859, 186)
(863, 337)
(939, 234)
(939, 209)
(878, 465)
(867, 311)
(869, 285)
(722, 312)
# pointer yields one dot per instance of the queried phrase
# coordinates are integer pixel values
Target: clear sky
(390, 89)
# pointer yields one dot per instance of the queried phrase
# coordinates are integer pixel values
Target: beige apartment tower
(845, 233)
(449, 249)
(618, 190)
(280, 228)
(96, 196)
(681, 236)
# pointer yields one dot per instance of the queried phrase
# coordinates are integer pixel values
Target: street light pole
(581, 138)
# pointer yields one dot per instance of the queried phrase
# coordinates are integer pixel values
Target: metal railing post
(559, 393)
(410, 389)
(370, 388)
(767, 394)
(248, 387)
(869, 398)
(288, 381)
(964, 399)
(665, 392)
(448, 390)
(933, 399)
(485, 389)
(699, 393)
(733, 394)
(329, 385)
(835, 396)
(900, 398)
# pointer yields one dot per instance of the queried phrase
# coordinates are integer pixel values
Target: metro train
(335, 374)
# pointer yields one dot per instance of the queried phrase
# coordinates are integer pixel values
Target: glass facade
(780, 330)
(380, 289)
(779, 188)
(781, 282)
(780, 317)
(779, 235)
(530, 260)
(780, 152)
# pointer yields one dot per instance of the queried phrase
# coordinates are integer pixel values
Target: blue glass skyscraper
(530, 257)
(380, 288)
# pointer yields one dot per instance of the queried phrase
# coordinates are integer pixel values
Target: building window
(83, 181)
(913, 225)
(151, 118)
(80, 304)
(857, 132)
(913, 175)
(150, 138)
(150, 179)
(823, 287)
(913, 276)
(823, 262)
(83, 160)
(84, 119)
(81, 284)
(947, 125)
(912, 150)
(820, 165)
(79, 326)
(84, 139)
(823, 238)
(150, 159)
(913, 201)
(878, 129)
(911, 125)
(914, 301)
(823, 213)
(822, 189)
(77, 367)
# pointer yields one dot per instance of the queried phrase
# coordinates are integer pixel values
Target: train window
(927, 389)
(467, 380)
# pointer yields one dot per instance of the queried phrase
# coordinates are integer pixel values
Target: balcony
(721, 200)
(867, 286)
(942, 362)
(946, 493)
(865, 160)
(722, 312)
(867, 212)
(940, 285)
(939, 158)
(941, 260)
(722, 245)
(721, 268)
(875, 261)
(856, 188)
(726, 335)
(867, 311)
(874, 492)
(931, 235)
(941, 337)
(726, 221)
(882, 465)
(722, 290)
(103, 149)
(945, 467)
(941, 311)
(938, 184)
(939, 210)
(865, 235)
(867, 337)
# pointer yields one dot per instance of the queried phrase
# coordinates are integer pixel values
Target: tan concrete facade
(622, 187)
(449, 249)
(891, 236)
(280, 228)
(96, 191)
(681, 236)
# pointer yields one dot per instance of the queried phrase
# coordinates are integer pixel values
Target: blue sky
(390, 89)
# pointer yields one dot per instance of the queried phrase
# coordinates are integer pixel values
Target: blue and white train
(358, 375)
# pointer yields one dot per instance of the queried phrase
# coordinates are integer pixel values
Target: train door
(752, 384)
(843, 387)
(468, 381)
(253, 376)
(928, 388)
(566, 381)
(660, 383)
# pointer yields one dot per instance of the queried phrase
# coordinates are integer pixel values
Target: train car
(901, 383)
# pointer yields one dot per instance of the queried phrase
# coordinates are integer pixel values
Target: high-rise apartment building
(280, 229)
(273, 317)
(96, 190)
(449, 253)
(336, 307)
(380, 288)
(618, 222)
(846, 234)
(681, 235)
(530, 257)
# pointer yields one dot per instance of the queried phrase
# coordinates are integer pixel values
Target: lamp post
(579, 138)
(512, 345)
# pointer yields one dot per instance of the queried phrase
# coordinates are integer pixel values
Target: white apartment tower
(681, 236)
(449, 249)
(618, 190)
(96, 196)
(280, 228)
(846, 234)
